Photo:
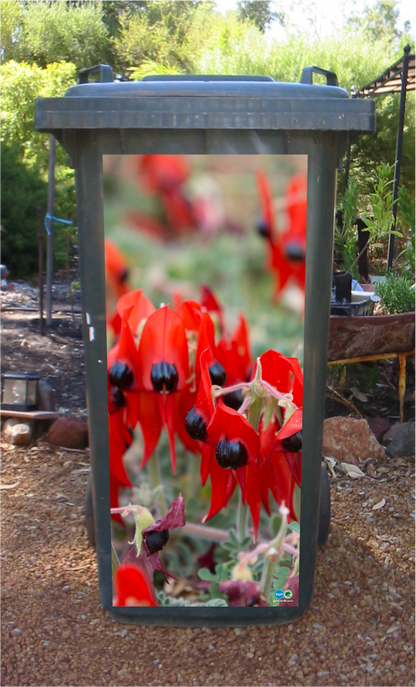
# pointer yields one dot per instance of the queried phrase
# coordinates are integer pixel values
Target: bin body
(207, 115)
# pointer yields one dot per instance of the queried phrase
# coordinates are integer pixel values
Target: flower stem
(272, 559)
(255, 412)
(269, 567)
(156, 481)
(242, 515)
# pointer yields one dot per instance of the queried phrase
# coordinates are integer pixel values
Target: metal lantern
(20, 391)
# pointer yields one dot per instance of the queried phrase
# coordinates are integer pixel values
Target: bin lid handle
(307, 76)
(105, 71)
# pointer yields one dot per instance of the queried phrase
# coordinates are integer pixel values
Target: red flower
(211, 304)
(199, 417)
(164, 365)
(289, 442)
(288, 249)
(236, 449)
(131, 588)
(140, 309)
(116, 273)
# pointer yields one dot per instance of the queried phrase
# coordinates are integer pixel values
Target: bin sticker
(205, 277)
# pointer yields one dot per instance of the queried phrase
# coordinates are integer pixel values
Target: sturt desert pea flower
(282, 377)
(236, 449)
(288, 249)
(234, 354)
(289, 442)
(212, 305)
(164, 365)
(199, 417)
(166, 175)
(140, 308)
(131, 588)
(116, 275)
(150, 538)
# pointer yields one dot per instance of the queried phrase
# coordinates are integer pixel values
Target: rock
(346, 438)
(17, 432)
(400, 439)
(69, 432)
(378, 426)
(46, 396)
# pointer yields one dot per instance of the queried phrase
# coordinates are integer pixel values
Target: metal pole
(40, 230)
(398, 152)
(49, 225)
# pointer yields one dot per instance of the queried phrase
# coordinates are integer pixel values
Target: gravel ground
(358, 631)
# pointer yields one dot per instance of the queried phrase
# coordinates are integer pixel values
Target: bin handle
(307, 76)
(106, 73)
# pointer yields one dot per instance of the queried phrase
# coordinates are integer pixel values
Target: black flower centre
(117, 398)
(234, 399)
(164, 377)
(217, 373)
(263, 228)
(294, 252)
(293, 444)
(157, 540)
(231, 454)
(195, 425)
(121, 376)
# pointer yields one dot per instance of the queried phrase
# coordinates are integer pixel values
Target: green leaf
(278, 584)
(246, 542)
(294, 526)
(233, 538)
(272, 600)
(215, 591)
(281, 573)
(205, 574)
(216, 602)
(222, 572)
(229, 546)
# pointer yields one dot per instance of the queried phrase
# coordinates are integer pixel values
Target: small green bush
(397, 293)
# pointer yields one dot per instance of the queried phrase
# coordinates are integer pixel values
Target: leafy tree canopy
(45, 32)
(260, 12)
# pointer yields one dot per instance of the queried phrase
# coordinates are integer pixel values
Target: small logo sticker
(279, 594)
(288, 594)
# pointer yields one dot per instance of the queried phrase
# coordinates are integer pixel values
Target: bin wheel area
(89, 513)
(324, 507)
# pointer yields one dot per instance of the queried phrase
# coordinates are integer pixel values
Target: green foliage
(382, 204)
(397, 293)
(164, 600)
(46, 32)
(378, 22)
(345, 229)
(22, 83)
(232, 47)
(10, 21)
(407, 214)
(369, 151)
(25, 156)
(259, 12)
(167, 34)
(22, 190)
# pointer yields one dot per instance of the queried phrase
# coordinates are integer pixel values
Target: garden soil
(359, 629)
